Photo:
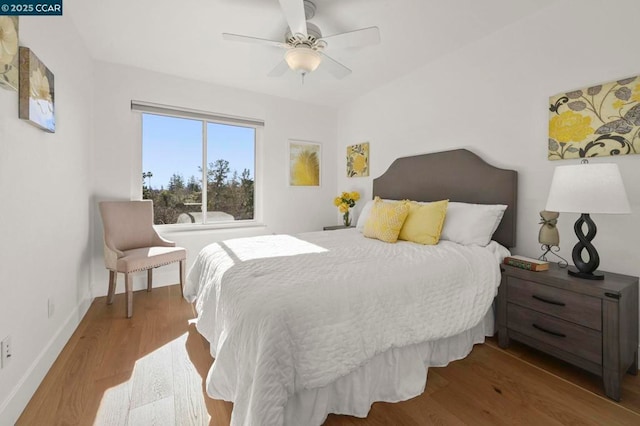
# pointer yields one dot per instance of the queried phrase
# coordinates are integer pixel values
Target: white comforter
(285, 313)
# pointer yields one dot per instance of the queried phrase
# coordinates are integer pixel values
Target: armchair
(131, 244)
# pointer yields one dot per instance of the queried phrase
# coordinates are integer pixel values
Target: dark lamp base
(585, 270)
(585, 275)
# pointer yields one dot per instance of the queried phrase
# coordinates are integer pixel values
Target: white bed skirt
(395, 375)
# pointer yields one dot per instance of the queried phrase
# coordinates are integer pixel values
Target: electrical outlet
(6, 351)
(51, 307)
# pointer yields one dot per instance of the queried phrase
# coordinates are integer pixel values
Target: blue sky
(174, 145)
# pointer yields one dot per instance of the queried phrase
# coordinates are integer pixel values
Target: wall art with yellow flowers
(358, 160)
(596, 121)
(9, 52)
(36, 95)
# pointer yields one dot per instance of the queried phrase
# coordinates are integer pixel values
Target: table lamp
(587, 188)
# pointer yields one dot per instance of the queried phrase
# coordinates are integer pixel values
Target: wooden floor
(150, 370)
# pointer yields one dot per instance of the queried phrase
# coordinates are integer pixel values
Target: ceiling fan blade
(357, 38)
(334, 67)
(279, 69)
(255, 40)
(293, 11)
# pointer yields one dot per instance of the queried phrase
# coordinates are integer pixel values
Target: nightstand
(333, 228)
(591, 324)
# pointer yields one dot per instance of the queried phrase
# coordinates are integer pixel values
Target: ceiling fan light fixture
(303, 59)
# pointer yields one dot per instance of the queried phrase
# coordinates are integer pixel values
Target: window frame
(205, 118)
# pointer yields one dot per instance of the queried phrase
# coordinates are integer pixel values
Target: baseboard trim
(12, 407)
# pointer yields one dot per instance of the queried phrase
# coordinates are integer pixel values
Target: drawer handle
(554, 333)
(549, 301)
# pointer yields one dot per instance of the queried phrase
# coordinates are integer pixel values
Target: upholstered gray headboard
(457, 175)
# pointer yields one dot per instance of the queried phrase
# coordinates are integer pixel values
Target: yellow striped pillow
(385, 220)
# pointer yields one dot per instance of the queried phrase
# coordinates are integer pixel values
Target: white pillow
(364, 215)
(471, 224)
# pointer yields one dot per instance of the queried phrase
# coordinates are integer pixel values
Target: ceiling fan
(305, 44)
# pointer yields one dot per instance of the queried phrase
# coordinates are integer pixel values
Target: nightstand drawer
(581, 341)
(567, 305)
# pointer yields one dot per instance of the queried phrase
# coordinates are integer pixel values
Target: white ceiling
(183, 38)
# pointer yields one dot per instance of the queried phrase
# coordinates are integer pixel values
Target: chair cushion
(149, 257)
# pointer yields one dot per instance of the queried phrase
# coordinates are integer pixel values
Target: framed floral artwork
(358, 160)
(36, 97)
(596, 121)
(304, 163)
(9, 52)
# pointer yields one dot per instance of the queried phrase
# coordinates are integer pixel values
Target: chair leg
(128, 283)
(149, 278)
(113, 277)
(182, 272)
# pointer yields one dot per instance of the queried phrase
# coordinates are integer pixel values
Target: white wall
(117, 165)
(492, 97)
(44, 213)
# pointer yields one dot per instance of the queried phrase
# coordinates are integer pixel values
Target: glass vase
(346, 218)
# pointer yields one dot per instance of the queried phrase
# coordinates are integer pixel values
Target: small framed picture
(358, 160)
(304, 163)
(36, 96)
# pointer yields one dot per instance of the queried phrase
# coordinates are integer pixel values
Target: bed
(330, 322)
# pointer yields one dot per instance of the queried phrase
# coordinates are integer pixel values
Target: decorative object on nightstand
(345, 202)
(527, 263)
(590, 324)
(587, 188)
(549, 238)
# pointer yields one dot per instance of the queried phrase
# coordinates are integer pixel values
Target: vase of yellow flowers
(345, 202)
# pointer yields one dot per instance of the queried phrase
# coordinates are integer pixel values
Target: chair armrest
(111, 256)
(161, 242)
(108, 245)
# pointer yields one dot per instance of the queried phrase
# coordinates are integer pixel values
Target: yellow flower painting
(595, 121)
(358, 160)
(304, 163)
(36, 97)
(9, 52)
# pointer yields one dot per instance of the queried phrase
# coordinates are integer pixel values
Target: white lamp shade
(588, 188)
(302, 59)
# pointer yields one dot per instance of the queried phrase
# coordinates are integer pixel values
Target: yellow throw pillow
(424, 222)
(385, 220)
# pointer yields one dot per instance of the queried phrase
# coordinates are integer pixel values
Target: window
(191, 160)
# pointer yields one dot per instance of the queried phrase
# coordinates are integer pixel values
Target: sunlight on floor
(164, 386)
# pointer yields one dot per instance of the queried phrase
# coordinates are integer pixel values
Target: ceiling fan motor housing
(313, 36)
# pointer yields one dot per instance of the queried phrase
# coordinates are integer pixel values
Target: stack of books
(526, 263)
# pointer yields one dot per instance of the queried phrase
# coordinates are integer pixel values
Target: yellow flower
(570, 127)
(359, 163)
(618, 104)
(636, 93)
(346, 200)
(40, 85)
(8, 40)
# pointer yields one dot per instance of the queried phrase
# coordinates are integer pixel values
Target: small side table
(333, 228)
(590, 324)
